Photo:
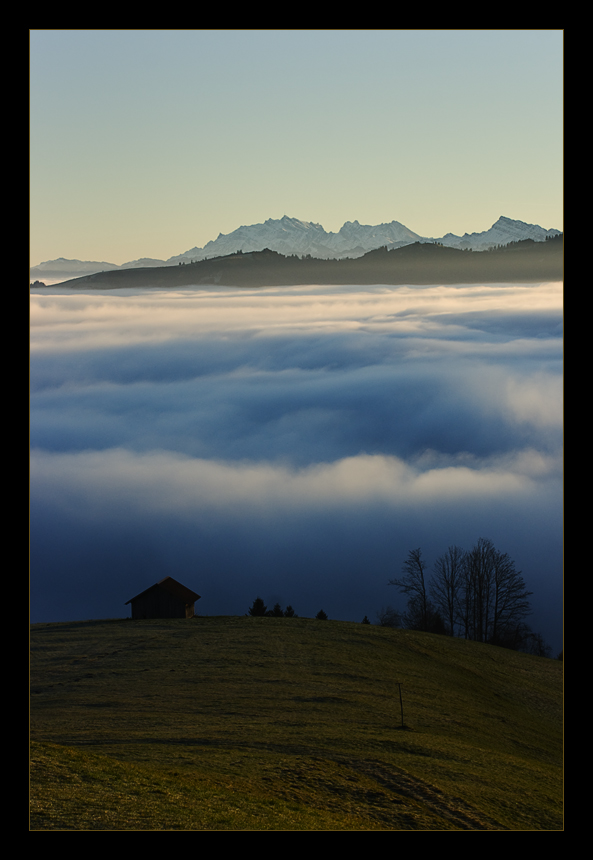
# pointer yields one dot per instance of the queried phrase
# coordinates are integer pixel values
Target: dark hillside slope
(413, 264)
(289, 724)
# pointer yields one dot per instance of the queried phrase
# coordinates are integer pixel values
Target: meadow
(241, 723)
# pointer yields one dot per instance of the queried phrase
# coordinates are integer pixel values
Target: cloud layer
(293, 443)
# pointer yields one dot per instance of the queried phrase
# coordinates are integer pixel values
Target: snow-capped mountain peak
(290, 236)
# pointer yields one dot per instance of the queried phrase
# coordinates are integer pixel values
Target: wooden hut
(167, 599)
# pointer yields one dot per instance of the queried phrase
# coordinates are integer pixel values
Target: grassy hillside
(288, 724)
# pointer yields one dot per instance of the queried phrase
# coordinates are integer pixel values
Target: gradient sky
(146, 143)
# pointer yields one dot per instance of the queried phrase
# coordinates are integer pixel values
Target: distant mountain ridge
(417, 263)
(502, 232)
(290, 236)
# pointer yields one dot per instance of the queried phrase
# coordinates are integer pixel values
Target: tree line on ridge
(474, 594)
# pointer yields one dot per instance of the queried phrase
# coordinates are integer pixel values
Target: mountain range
(291, 236)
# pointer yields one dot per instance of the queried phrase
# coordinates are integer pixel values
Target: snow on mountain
(505, 230)
(353, 235)
(292, 236)
(285, 235)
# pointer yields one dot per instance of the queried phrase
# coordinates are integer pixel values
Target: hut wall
(158, 603)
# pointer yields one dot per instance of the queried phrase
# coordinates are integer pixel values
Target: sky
(146, 143)
(291, 443)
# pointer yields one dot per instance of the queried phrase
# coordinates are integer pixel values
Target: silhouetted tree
(321, 615)
(413, 584)
(446, 585)
(258, 607)
(276, 612)
(478, 594)
(495, 600)
(536, 644)
(423, 616)
(365, 620)
(289, 612)
(477, 604)
(389, 617)
(510, 600)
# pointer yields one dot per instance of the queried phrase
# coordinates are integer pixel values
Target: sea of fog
(291, 443)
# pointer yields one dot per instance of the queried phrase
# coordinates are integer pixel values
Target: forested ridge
(419, 263)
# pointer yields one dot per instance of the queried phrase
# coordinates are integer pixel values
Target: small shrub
(389, 617)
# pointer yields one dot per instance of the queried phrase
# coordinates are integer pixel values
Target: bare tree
(477, 587)
(494, 600)
(510, 599)
(536, 644)
(447, 584)
(421, 615)
(477, 594)
(413, 584)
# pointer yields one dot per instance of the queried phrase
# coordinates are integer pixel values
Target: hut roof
(173, 587)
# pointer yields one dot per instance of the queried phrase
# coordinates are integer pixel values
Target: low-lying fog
(292, 443)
